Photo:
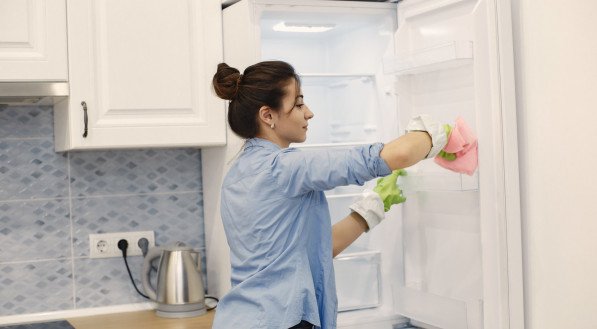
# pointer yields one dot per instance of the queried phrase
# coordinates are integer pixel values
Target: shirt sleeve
(299, 171)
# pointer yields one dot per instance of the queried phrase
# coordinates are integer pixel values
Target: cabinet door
(33, 40)
(143, 70)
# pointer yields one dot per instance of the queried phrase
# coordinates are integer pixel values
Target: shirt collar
(260, 142)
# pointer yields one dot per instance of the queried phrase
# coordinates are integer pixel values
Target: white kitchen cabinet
(140, 75)
(33, 40)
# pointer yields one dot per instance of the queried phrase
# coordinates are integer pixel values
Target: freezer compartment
(358, 279)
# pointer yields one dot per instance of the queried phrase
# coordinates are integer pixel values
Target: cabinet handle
(84, 118)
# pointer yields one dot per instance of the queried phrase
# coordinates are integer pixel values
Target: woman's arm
(400, 153)
(347, 231)
(406, 150)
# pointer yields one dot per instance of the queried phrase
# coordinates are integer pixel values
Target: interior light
(302, 27)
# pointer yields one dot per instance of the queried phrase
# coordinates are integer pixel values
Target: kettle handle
(152, 254)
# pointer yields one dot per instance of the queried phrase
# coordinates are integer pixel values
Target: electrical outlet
(106, 244)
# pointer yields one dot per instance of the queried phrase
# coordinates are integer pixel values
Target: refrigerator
(450, 256)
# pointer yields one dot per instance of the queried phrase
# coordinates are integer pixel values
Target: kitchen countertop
(141, 320)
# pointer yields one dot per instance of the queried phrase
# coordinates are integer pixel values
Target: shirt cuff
(379, 166)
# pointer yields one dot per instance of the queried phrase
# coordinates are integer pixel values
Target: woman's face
(292, 120)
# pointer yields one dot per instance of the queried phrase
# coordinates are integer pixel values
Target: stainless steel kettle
(180, 292)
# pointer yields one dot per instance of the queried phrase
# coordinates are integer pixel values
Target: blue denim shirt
(278, 227)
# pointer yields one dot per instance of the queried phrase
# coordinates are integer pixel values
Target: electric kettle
(179, 288)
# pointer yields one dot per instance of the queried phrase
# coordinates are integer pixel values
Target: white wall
(556, 64)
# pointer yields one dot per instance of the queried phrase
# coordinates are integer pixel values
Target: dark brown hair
(261, 84)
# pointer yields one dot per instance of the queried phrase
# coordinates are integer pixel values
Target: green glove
(388, 190)
(444, 154)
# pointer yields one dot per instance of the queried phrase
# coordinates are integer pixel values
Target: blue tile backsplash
(50, 202)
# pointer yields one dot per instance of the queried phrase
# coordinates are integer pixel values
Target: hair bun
(226, 81)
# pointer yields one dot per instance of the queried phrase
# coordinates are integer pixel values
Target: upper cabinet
(140, 75)
(33, 40)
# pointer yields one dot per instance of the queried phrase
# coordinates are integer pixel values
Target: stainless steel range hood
(32, 93)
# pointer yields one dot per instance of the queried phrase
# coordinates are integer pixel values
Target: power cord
(214, 298)
(123, 246)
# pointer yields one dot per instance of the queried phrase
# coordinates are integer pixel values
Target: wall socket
(106, 244)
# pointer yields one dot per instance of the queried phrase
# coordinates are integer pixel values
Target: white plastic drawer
(358, 280)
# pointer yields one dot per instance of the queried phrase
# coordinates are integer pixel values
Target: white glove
(370, 207)
(439, 138)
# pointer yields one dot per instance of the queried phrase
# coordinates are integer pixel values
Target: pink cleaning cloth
(463, 143)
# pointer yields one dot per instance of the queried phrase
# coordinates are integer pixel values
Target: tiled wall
(50, 202)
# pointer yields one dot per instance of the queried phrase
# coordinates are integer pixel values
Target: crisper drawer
(358, 279)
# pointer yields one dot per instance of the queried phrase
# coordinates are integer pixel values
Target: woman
(274, 211)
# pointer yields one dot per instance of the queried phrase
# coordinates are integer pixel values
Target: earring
(272, 125)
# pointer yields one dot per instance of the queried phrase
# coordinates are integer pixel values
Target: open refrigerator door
(460, 233)
(449, 256)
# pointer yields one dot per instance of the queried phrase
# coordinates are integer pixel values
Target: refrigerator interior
(343, 83)
(340, 68)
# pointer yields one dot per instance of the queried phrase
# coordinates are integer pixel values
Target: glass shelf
(446, 56)
(313, 76)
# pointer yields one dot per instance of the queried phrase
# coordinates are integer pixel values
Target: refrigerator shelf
(330, 196)
(336, 75)
(445, 56)
(335, 80)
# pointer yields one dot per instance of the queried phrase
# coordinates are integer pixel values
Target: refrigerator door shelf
(441, 57)
(447, 312)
